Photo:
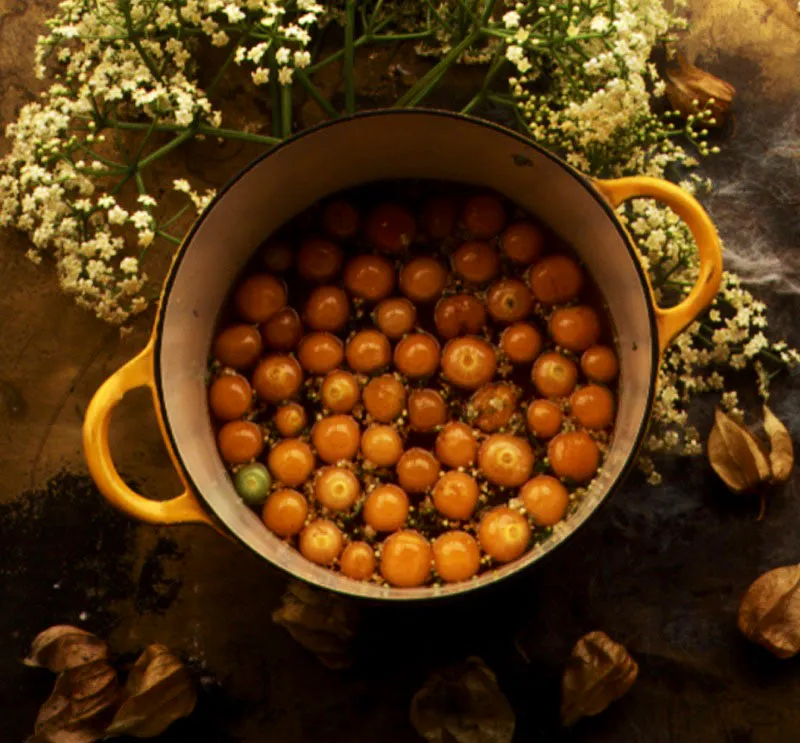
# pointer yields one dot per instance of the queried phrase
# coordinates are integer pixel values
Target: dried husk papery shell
(62, 647)
(770, 611)
(736, 455)
(691, 89)
(463, 704)
(80, 707)
(158, 691)
(321, 622)
(598, 671)
(781, 449)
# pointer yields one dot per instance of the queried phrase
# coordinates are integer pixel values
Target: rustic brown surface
(661, 571)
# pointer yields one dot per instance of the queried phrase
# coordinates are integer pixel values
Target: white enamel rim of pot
(367, 147)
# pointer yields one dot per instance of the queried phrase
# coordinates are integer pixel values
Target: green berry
(253, 482)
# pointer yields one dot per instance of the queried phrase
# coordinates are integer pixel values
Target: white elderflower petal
(260, 75)
(129, 265)
(117, 215)
(142, 220)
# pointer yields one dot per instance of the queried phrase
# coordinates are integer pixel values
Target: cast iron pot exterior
(305, 169)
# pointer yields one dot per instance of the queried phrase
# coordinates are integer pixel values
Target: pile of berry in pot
(413, 383)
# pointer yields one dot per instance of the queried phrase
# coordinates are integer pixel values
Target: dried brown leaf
(463, 704)
(62, 647)
(598, 672)
(690, 89)
(770, 611)
(159, 690)
(81, 705)
(736, 455)
(320, 622)
(781, 449)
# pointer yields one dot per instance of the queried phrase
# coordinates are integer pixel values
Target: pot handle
(183, 509)
(673, 320)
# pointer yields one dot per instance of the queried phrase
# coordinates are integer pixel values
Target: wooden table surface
(662, 569)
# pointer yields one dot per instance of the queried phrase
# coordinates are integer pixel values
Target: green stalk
(166, 149)
(125, 6)
(311, 89)
(175, 217)
(234, 134)
(368, 39)
(212, 131)
(170, 238)
(349, 57)
(274, 95)
(286, 110)
(411, 36)
(146, 137)
(428, 81)
(480, 96)
(209, 131)
(221, 71)
(100, 158)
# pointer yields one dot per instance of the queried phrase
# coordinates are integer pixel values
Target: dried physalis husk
(770, 611)
(159, 690)
(781, 450)
(463, 704)
(80, 707)
(321, 622)
(691, 90)
(598, 672)
(736, 455)
(62, 647)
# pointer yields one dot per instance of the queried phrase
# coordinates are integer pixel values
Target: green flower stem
(480, 96)
(100, 158)
(170, 238)
(145, 139)
(413, 36)
(487, 11)
(212, 86)
(126, 12)
(427, 82)
(274, 95)
(166, 149)
(175, 217)
(349, 57)
(370, 25)
(435, 13)
(369, 39)
(311, 89)
(286, 110)
(709, 343)
(208, 131)
(212, 131)
(512, 104)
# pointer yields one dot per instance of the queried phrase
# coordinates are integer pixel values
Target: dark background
(661, 570)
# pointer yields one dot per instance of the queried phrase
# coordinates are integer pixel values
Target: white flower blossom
(117, 215)
(260, 75)
(129, 265)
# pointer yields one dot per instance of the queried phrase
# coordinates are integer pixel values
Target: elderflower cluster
(125, 82)
(280, 43)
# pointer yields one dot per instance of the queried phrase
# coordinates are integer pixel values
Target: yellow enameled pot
(375, 146)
